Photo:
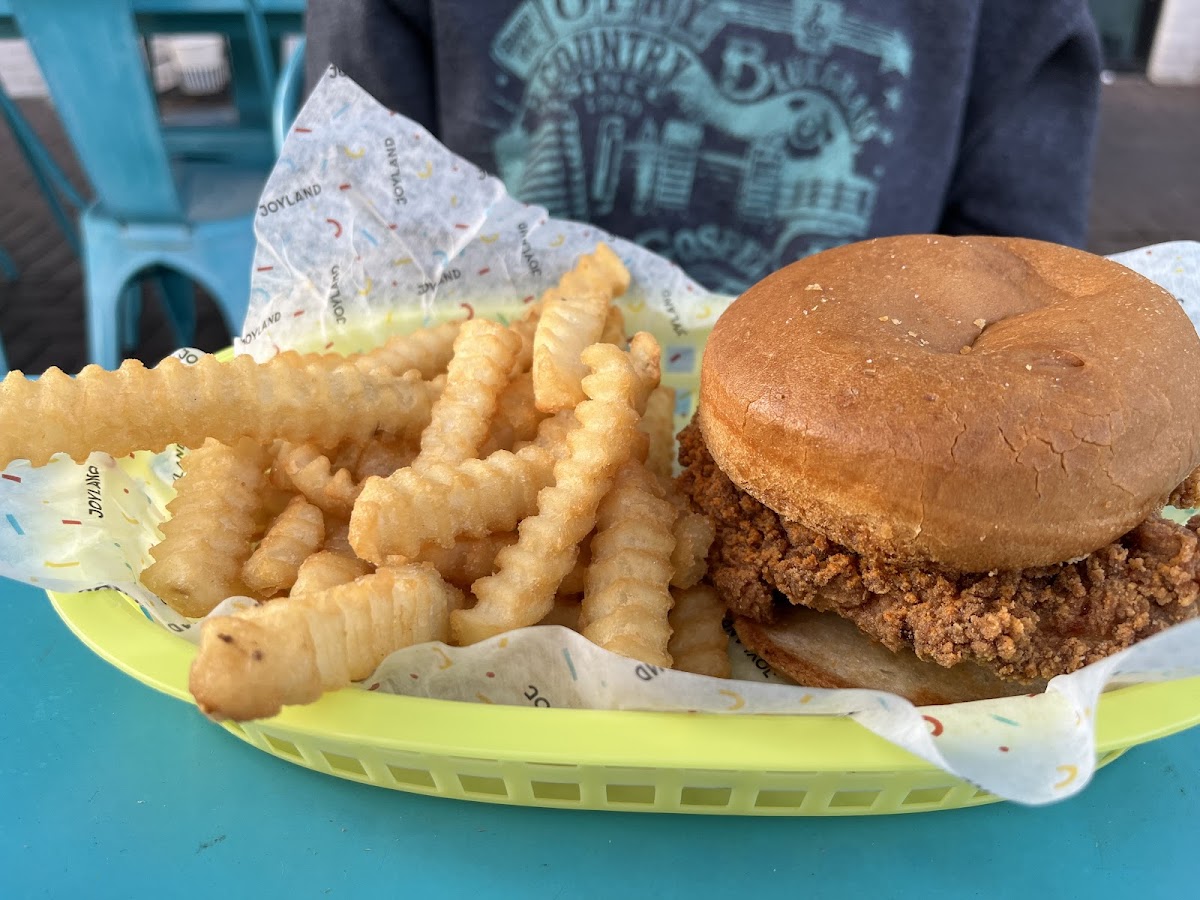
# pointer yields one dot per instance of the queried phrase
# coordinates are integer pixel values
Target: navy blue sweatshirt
(734, 137)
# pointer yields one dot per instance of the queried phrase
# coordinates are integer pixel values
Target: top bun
(979, 403)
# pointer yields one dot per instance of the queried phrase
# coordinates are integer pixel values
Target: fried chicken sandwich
(938, 466)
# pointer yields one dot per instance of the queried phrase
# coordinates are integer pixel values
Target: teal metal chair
(287, 95)
(186, 216)
(65, 204)
(60, 195)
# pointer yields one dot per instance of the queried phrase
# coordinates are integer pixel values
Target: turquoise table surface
(108, 789)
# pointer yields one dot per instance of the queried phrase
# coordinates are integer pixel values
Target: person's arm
(384, 45)
(1025, 164)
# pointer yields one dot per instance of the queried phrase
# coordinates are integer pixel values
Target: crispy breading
(1027, 624)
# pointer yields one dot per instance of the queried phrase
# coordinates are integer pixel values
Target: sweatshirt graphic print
(732, 137)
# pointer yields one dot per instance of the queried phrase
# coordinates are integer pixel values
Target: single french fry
(296, 534)
(694, 534)
(398, 515)
(627, 595)
(698, 641)
(525, 328)
(381, 456)
(516, 419)
(326, 569)
(252, 663)
(646, 355)
(613, 331)
(312, 474)
(572, 318)
(273, 501)
(479, 370)
(427, 350)
(575, 581)
(292, 396)
(658, 423)
(210, 533)
(468, 560)
(529, 572)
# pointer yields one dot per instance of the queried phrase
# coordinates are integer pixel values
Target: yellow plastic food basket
(591, 759)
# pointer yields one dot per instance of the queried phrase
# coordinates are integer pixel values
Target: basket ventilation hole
(554, 790)
(481, 784)
(279, 745)
(780, 799)
(347, 764)
(416, 777)
(981, 794)
(853, 799)
(923, 796)
(696, 796)
(630, 793)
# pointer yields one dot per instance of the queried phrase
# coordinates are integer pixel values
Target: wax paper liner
(368, 225)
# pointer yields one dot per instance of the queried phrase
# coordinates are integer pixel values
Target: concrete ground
(1146, 190)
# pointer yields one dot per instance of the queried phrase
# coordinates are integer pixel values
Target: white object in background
(19, 71)
(22, 78)
(162, 60)
(202, 63)
(1175, 57)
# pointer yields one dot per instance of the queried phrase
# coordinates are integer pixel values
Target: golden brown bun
(824, 650)
(982, 403)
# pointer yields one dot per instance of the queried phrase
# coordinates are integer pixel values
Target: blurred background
(183, 157)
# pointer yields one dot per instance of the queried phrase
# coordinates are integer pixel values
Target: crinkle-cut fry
(274, 501)
(212, 527)
(613, 331)
(531, 570)
(479, 370)
(295, 535)
(564, 612)
(398, 515)
(337, 536)
(435, 387)
(427, 350)
(516, 419)
(575, 581)
(572, 318)
(277, 479)
(383, 455)
(326, 569)
(312, 474)
(291, 396)
(627, 596)
(605, 267)
(468, 560)
(659, 423)
(252, 663)
(694, 535)
(698, 641)
(525, 328)
(646, 355)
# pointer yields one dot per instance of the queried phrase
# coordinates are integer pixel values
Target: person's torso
(731, 137)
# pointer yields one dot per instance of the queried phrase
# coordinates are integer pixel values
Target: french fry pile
(451, 485)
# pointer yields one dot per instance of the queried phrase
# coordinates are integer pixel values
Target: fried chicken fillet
(1024, 625)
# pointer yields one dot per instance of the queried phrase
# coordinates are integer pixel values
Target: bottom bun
(824, 650)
